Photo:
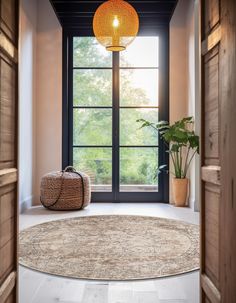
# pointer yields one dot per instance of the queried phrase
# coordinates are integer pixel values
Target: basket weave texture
(67, 190)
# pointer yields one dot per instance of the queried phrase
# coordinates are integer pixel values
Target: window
(108, 92)
(138, 98)
(92, 111)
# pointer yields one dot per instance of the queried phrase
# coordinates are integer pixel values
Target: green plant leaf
(179, 136)
(175, 148)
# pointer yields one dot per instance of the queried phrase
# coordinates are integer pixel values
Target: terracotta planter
(180, 191)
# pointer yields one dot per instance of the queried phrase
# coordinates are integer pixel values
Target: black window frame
(67, 115)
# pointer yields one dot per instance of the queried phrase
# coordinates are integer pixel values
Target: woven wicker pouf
(66, 190)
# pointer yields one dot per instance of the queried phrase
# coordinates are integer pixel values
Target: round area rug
(112, 247)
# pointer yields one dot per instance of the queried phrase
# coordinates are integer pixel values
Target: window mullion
(115, 121)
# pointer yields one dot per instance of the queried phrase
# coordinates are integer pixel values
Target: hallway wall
(40, 94)
(49, 94)
(193, 95)
(27, 99)
(184, 54)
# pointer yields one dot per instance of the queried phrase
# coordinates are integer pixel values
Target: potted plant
(182, 144)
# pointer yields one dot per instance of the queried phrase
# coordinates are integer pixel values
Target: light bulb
(115, 22)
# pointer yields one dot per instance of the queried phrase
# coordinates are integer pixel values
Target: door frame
(218, 171)
(67, 114)
(9, 174)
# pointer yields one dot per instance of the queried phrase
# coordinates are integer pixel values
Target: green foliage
(93, 87)
(88, 53)
(182, 141)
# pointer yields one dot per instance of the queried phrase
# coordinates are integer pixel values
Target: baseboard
(196, 206)
(26, 204)
(193, 204)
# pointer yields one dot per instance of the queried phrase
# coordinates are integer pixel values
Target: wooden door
(8, 150)
(218, 205)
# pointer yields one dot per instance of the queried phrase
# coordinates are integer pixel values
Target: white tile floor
(36, 287)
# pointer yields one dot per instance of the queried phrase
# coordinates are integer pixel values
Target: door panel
(211, 163)
(9, 10)
(218, 201)
(10, 299)
(211, 107)
(228, 151)
(211, 14)
(7, 113)
(212, 199)
(8, 150)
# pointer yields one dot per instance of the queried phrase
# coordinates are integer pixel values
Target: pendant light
(115, 24)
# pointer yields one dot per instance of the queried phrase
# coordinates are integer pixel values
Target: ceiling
(78, 14)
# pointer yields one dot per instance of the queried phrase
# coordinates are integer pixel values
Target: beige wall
(178, 63)
(48, 114)
(27, 99)
(191, 88)
(40, 90)
(184, 51)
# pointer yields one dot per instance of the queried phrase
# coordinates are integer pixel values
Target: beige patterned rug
(112, 247)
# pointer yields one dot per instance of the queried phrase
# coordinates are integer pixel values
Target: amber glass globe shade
(115, 24)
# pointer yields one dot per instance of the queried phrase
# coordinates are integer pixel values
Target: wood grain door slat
(210, 289)
(7, 46)
(211, 41)
(211, 174)
(7, 286)
(8, 176)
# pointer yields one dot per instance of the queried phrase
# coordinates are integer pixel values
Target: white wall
(184, 82)
(191, 87)
(27, 99)
(49, 95)
(40, 90)
(178, 63)
(193, 97)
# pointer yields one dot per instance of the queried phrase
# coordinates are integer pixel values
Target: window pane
(89, 53)
(92, 87)
(138, 169)
(130, 132)
(142, 52)
(139, 87)
(97, 163)
(92, 126)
